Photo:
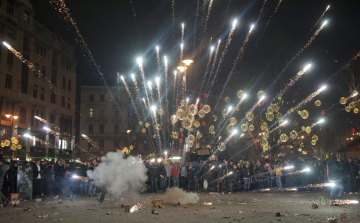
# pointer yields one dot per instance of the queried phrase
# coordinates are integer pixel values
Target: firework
(206, 21)
(241, 52)
(136, 207)
(195, 25)
(173, 9)
(355, 57)
(158, 58)
(213, 65)
(87, 138)
(322, 15)
(261, 10)
(207, 68)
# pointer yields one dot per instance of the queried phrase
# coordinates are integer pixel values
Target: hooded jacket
(335, 170)
(175, 170)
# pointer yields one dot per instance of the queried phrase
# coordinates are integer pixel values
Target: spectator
(168, 167)
(183, 177)
(175, 171)
(59, 175)
(278, 173)
(15, 169)
(162, 176)
(38, 179)
(3, 201)
(351, 170)
(247, 175)
(335, 175)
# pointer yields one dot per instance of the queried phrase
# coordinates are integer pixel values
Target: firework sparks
(207, 68)
(134, 208)
(213, 65)
(195, 26)
(322, 15)
(239, 56)
(261, 10)
(346, 66)
(158, 58)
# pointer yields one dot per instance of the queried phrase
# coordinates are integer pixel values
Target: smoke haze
(174, 195)
(120, 175)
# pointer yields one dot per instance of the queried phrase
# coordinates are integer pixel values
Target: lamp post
(182, 68)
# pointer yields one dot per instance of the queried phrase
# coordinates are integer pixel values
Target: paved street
(254, 207)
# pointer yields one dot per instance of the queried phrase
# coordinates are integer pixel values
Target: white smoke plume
(175, 195)
(119, 175)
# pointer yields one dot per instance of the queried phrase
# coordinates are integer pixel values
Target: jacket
(2, 173)
(168, 170)
(162, 171)
(175, 170)
(278, 170)
(246, 172)
(36, 171)
(335, 170)
(183, 171)
(351, 169)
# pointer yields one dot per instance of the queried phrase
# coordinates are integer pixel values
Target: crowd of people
(65, 179)
(245, 176)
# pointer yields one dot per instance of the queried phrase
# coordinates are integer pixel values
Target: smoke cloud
(174, 195)
(119, 175)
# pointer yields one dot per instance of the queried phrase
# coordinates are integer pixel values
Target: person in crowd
(175, 171)
(38, 179)
(220, 179)
(235, 178)
(84, 179)
(162, 176)
(92, 183)
(270, 176)
(190, 176)
(260, 172)
(168, 168)
(8, 185)
(278, 172)
(59, 176)
(183, 176)
(289, 178)
(14, 167)
(3, 200)
(48, 180)
(153, 174)
(335, 175)
(247, 175)
(351, 170)
(227, 178)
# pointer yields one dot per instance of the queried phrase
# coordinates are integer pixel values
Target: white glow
(288, 167)
(322, 88)
(132, 76)
(165, 152)
(352, 202)
(46, 128)
(74, 176)
(122, 77)
(157, 80)
(157, 48)
(83, 135)
(219, 41)
(324, 23)
(139, 60)
(230, 108)
(149, 84)
(244, 95)
(262, 98)
(212, 49)
(252, 27)
(165, 59)
(321, 121)
(182, 46)
(242, 135)
(306, 169)
(234, 132)
(175, 158)
(354, 94)
(181, 68)
(327, 7)
(307, 67)
(159, 160)
(285, 122)
(234, 23)
(175, 72)
(27, 135)
(187, 99)
(152, 160)
(6, 44)
(330, 184)
(153, 108)
(197, 100)
(182, 25)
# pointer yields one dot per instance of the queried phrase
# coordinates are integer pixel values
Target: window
(10, 58)
(11, 33)
(116, 144)
(91, 113)
(116, 114)
(116, 129)
(102, 97)
(91, 97)
(101, 113)
(65, 64)
(55, 60)
(53, 78)
(53, 98)
(101, 145)
(42, 94)
(24, 76)
(8, 81)
(35, 91)
(26, 47)
(52, 119)
(43, 71)
(68, 104)
(64, 83)
(22, 115)
(101, 128)
(36, 74)
(63, 101)
(10, 6)
(91, 128)
(26, 16)
(39, 49)
(69, 85)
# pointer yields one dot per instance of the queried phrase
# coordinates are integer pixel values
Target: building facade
(24, 94)
(108, 121)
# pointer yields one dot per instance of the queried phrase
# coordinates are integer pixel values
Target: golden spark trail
(322, 15)
(158, 88)
(213, 65)
(181, 52)
(206, 21)
(228, 41)
(261, 10)
(207, 69)
(239, 56)
(195, 26)
(173, 9)
(346, 66)
(158, 59)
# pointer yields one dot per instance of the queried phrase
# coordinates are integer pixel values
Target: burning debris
(136, 207)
